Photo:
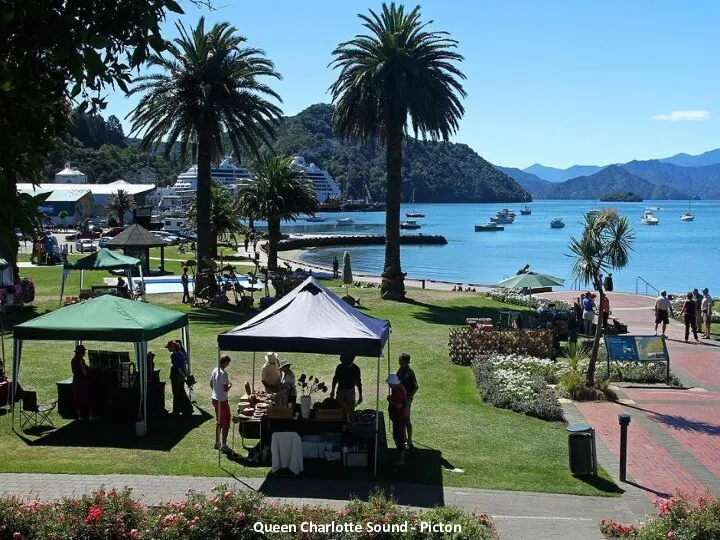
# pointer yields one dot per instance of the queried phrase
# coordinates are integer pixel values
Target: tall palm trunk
(393, 286)
(274, 238)
(590, 376)
(10, 201)
(204, 232)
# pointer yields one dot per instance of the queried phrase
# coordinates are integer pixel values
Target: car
(170, 238)
(103, 241)
(112, 233)
(85, 244)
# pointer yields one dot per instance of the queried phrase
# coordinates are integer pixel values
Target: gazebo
(107, 318)
(312, 319)
(136, 241)
(104, 259)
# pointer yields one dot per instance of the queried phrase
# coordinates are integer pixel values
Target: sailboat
(525, 210)
(414, 213)
(687, 216)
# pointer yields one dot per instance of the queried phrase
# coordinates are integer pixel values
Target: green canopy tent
(107, 318)
(103, 259)
(530, 281)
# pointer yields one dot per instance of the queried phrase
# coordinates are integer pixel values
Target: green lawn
(497, 449)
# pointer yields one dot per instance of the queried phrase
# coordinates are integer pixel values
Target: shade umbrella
(347, 271)
(531, 280)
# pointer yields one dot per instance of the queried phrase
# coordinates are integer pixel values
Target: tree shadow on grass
(419, 483)
(220, 317)
(458, 315)
(164, 433)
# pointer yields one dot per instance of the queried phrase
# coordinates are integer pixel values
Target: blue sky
(557, 82)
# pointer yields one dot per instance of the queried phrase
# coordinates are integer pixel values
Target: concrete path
(518, 515)
(674, 435)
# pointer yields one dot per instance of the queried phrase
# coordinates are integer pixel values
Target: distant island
(627, 196)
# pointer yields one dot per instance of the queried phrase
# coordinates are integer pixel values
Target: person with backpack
(409, 382)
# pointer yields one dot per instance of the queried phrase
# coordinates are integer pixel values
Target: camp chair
(32, 414)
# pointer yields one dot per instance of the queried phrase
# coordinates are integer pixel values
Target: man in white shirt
(220, 386)
(706, 308)
(662, 310)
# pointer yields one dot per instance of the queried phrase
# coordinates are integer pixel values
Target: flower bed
(466, 343)
(681, 517)
(516, 298)
(518, 383)
(115, 515)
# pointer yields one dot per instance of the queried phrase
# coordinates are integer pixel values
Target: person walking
(690, 313)
(697, 298)
(347, 377)
(398, 413)
(707, 310)
(246, 242)
(220, 385)
(185, 280)
(409, 382)
(605, 310)
(588, 313)
(178, 376)
(662, 310)
(336, 267)
(255, 243)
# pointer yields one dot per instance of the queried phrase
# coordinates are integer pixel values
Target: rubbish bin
(581, 450)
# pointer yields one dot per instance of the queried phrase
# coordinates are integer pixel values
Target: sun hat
(285, 364)
(393, 380)
(272, 358)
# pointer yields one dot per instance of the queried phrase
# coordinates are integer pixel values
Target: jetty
(328, 240)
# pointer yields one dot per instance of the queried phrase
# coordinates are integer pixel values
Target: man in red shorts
(220, 386)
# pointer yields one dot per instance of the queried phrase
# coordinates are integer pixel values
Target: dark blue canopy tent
(312, 319)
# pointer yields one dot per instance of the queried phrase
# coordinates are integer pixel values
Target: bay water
(673, 255)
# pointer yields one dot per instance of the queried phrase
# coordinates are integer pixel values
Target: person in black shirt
(347, 377)
(336, 268)
(409, 381)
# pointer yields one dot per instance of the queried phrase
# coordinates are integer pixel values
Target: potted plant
(308, 386)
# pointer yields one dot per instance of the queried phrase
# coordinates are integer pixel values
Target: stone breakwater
(303, 242)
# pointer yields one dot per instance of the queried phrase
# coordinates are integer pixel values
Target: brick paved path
(674, 436)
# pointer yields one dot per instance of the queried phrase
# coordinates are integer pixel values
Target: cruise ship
(325, 186)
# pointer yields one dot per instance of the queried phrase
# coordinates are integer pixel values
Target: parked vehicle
(85, 244)
(112, 233)
(104, 241)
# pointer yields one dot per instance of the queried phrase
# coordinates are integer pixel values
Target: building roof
(69, 171)
(72, 195)
(136, 236)
(95, 189)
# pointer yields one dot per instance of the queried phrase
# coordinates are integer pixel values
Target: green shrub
(466, 343)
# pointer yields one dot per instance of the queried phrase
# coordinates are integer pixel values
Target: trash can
(581, 450)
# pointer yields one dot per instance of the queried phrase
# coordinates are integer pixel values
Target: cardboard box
(355, 459)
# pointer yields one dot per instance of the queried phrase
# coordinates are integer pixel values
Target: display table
(113, 402)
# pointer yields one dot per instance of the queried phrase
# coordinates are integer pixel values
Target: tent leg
(377, 416)
(82, 279)
(142, 278)
(253, 373)
(216, 427)
(62, 286)
(388, 356)
(17, 353)
(185, 336)
(145, 388)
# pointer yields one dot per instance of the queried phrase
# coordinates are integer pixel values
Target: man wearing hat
(398, 412)
(181, 402)
(288, 382)
(409, 382)
(81, 385)
(270, 374)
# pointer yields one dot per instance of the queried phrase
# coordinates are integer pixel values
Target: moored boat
(489, 226)
(315, 219)
(345, 221)
(410, 224)
(649, 218)
(557, 223)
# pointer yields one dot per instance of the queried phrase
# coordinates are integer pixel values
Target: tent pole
(142, 278)
(62, 286)
(388, 356)
(253, 373)
(82, 279)
(216, 427)
(377, 415)
(128, 273)
(185, 336)
(144, 354)
(17, 352)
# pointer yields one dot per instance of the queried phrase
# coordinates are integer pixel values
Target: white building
(70, 175)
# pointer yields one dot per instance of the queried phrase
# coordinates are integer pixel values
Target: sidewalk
(674, 434)
(518, 515)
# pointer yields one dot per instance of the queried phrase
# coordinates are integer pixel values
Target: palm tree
(399, 72)
(224, 215)
(211, 89)
(118, 204)
(281, 192)
(605, 245)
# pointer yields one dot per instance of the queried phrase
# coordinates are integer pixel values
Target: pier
(328, 240)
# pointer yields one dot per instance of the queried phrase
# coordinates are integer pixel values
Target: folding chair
(32, 414)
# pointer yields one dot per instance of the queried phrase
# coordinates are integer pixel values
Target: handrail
(647, 286)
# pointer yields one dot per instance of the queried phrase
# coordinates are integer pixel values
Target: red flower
(95, 514)
(134, 534)
(17, 535)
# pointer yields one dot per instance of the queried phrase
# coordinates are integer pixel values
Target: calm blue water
(674, 255)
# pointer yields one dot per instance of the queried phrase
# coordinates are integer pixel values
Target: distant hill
(711, 157)
(611, 179)
(701, 182)
(551, 174)
(535, 185)
(439, 172)
(621, 197)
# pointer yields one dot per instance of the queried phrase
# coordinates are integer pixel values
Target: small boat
(649, 218)
(489, 226)
(525, 211)
(345, 221)
(502, 219)
(507, 212)
(315, 219)
(414, 213)
(651, 208)
(557, 223)
(687, 216)
(410, 224)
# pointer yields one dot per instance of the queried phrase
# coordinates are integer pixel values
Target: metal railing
(648, 286)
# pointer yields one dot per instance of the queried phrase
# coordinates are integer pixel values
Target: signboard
(627, 348)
